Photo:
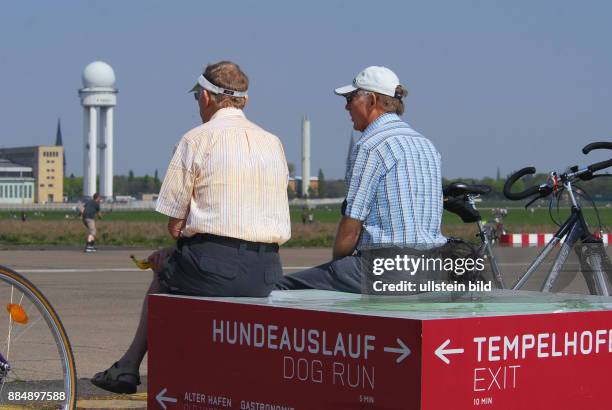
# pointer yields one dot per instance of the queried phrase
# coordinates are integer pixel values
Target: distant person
(225, 193)
(91, 210)
(394, 185)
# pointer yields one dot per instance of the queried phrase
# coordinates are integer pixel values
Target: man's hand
(347, 236)
(175, 226)
(157, 258)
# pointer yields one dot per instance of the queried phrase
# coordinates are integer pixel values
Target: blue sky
(491, 83)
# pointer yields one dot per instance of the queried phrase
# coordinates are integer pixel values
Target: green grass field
(516, 216)
(127, 216)
(148, 228)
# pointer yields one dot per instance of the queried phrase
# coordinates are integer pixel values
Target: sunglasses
(196, 94)
(349, 97)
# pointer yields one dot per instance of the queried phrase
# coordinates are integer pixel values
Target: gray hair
(393, 104)
(228, 75)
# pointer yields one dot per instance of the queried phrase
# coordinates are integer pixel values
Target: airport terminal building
(17, 186)
(32, 174)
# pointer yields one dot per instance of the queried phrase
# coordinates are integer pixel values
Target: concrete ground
(99, 296)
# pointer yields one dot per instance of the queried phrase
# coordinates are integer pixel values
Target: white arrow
(161, 398)
(441, 352)
(403, 349)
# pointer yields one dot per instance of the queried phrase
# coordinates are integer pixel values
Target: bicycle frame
(486, 241)
(574, 229)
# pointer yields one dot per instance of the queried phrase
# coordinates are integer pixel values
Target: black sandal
(109, 380)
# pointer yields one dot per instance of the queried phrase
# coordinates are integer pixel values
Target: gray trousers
(342, 275)
(351, 273)
(200, 267)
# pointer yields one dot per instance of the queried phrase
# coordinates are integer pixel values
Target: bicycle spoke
(30, 325)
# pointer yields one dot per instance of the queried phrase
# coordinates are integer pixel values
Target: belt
(235, 243)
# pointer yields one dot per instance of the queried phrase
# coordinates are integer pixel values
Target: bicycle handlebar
(545, 189)
(598, 165)
(596, 145)
(515, 177)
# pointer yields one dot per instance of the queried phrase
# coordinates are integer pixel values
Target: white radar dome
(98, 74)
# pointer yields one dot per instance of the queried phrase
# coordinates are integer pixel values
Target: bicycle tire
(57, 332)
(589, 272)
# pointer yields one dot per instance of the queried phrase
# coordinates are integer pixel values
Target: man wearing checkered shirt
(394, 186)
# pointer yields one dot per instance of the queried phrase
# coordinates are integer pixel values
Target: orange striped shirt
(228, 177)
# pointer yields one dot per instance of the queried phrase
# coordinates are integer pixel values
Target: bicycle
(594, 263)
(36, 360)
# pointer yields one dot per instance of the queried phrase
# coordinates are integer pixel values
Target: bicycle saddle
(460, 188)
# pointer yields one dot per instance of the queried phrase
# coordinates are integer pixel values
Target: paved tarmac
(99, 296)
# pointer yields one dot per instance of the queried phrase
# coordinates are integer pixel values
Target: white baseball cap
(374, 78)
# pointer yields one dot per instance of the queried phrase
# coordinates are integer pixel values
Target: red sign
(210, 354)
(542, 361)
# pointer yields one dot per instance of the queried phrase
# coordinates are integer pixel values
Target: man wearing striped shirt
(394, 186)
(225, 193)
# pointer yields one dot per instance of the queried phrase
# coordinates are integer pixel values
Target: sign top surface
(426, 306)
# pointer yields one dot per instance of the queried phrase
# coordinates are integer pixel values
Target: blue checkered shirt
(394, 185)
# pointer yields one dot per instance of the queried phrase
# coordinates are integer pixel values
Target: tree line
(129, 185)
(599, 189)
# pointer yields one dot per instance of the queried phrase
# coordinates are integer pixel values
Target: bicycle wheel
(36, 361)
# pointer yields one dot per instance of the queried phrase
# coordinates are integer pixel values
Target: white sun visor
(207, 85)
